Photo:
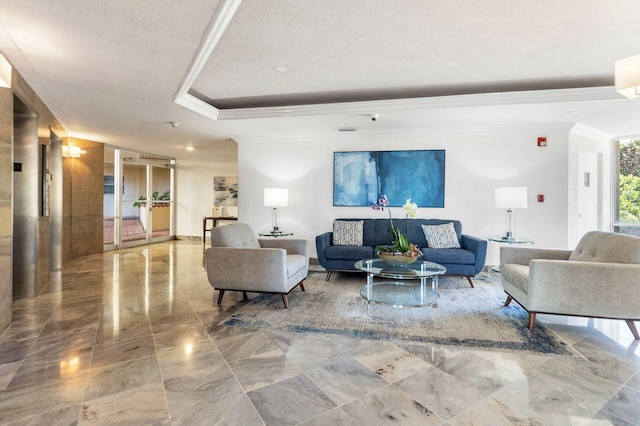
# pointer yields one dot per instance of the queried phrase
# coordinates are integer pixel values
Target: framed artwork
(361, 177)
(225, 190)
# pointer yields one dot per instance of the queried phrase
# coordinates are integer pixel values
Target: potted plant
(401, 250)
(160, 216)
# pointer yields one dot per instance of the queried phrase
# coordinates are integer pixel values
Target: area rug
(465, 316)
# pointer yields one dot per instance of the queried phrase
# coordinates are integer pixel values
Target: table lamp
(514, 197)
(276, 197)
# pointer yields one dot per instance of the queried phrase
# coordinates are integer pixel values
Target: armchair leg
(302, 286)
(509, 299)
(634, 330)
(532, 319)
(220, 297)
(285, 299)
(328, 275)
(470, 281)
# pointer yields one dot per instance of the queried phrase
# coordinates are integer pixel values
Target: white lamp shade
(276, 197)
(627, 76)
(513, 197)
(5, 72)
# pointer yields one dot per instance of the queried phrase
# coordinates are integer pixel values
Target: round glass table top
(414, 270)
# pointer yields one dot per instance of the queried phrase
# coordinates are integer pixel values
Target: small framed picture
(217, 211)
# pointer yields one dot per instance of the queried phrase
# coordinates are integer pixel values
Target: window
(109, 185)
(627, 194)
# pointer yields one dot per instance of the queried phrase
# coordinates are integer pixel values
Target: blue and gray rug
(465, 316)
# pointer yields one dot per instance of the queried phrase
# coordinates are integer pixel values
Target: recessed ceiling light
(281, 69)
(189, 148)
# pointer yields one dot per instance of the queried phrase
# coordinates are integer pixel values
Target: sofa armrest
(292, 246)
(322, 242)
(478, 247)
(523, 255)
(584, 288)
(227, 266)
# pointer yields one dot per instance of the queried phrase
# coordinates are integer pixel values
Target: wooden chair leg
(302, 285)
(509, 299)
(328, 275)
(220, 296)
(634, 330)
(244, 295)
(285, 299)
(532, 319)
(470, 281)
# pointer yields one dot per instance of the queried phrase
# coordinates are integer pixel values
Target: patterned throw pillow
(441, 236)
(347, 232)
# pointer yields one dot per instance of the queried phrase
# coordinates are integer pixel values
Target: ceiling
(120, 71)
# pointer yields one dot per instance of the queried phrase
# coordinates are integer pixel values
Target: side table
(510, 241)
(275, 234)
(215, 223)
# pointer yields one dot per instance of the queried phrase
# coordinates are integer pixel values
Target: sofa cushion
(238, 235)
(348, 252)
(347, 232)
(516, 274)
(596, 246)
(449, 256)
(441, 236)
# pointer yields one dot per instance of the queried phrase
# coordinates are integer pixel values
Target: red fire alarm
(541, 198)
(542, 141)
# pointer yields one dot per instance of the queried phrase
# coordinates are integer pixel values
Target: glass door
(138, 206)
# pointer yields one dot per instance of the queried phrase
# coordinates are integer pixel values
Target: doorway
(138, 198)
(589, 191)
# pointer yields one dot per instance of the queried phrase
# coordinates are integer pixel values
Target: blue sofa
(466, 261)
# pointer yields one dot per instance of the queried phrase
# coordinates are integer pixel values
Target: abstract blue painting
(361, 177)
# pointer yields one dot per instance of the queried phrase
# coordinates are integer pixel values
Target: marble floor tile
(440, 392)
(490, 412)
(116, 378)
(142, 405)
(484, 375)
(346, 380)
(546, 403)
(263, 369)
(245, 345)
(335, 417)
(290, 402)
(122, 350)
(135, 336)
(625, 405)
(392, 363)
(390, 406)
(42, 397)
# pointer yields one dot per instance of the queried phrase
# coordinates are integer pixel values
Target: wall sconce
(510, 198)
(276, 197)
(627, 76)
(5, 72)
(72, 151)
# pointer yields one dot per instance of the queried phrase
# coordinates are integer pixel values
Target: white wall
(475, 165)
(194, 185)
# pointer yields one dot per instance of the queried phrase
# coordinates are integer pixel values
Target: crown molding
(406, 133)
(225, 13)
(218, 25)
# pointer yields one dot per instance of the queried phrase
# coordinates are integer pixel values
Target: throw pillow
(347, 232)
(441, 236)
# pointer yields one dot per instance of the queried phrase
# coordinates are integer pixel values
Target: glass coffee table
(399, 286)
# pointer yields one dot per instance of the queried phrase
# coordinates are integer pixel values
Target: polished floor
(131, 337)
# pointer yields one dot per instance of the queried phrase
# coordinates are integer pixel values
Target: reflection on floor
(132, 229)
(131, 337)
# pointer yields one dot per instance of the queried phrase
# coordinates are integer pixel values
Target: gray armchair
(238, 261)
(600, 278)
